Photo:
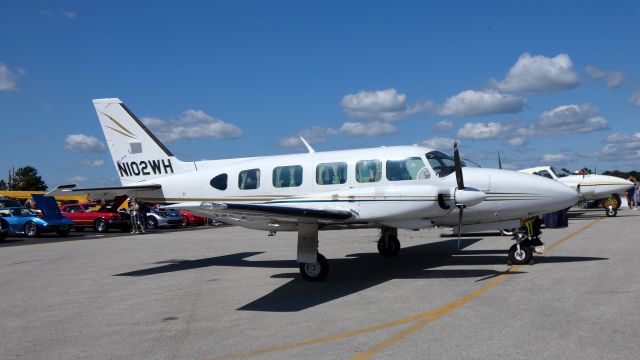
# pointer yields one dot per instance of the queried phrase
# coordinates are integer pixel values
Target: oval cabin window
(220, 182)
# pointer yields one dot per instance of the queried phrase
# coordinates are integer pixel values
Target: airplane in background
(603, 188)
(390, 188)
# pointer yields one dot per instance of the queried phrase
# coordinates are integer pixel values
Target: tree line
(24, 179)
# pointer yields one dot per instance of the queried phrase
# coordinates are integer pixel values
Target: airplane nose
(564, 195)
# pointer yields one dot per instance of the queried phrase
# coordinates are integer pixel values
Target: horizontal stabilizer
(107, 192)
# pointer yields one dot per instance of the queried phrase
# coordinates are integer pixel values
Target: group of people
(633, 194)
(138, 212)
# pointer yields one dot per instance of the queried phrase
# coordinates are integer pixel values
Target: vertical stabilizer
(137, 154)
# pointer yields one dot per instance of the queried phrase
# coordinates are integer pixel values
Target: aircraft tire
(611, 211)
(522, 257)
(391, 249)
(315, 271)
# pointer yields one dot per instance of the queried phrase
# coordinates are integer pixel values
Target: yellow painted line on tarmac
(421, 319)
(395, 338)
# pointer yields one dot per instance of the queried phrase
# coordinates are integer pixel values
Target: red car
(188, 218)
(101, 220)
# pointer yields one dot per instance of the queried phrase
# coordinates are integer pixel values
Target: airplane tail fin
(137, 154)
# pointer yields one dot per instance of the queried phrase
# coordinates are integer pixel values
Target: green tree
(3, 185)
(27, 179)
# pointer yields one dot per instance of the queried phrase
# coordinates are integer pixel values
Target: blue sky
(542, 82)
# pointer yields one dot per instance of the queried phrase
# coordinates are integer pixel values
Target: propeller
(460, 182)
(463, 197)
(499, 161)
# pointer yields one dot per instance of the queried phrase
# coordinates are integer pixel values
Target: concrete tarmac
(216, 293)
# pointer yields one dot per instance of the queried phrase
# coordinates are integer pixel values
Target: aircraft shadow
(357, 272)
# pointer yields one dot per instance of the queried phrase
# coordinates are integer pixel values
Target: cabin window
(249, 179)
(405, 169)
(287, 176)
(368, 171)
(220, 182)
(331, 173)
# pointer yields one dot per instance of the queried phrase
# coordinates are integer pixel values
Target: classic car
(102, 219)
(22, 220)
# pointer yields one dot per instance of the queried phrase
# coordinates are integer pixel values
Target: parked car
(22, 220)
(104, 218)
(158, 217)
(189, 218)
(4, 229)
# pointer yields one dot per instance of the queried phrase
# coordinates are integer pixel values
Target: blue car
(21, 220)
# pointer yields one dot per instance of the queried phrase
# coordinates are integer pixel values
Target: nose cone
(540, 194)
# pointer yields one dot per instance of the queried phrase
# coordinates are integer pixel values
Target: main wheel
(31, 229)
(611, 211)
(316, 271)
(390, 247)
(522, 256)
(152, 223)
(100, 226)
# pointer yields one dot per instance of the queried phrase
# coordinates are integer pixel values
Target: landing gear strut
(388, 244)
(313, 265)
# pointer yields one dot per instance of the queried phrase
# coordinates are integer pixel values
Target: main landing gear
(313, 265)
(388, 244)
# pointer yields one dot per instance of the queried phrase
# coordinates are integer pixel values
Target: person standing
(631, 194)
(133, 213)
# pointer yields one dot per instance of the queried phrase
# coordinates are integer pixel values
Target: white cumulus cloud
(192, 124)
(8, 79)
(611, 78)
(83, 143)
(635, 98)
(93, 163)
(539, 73)
(442, 143)
(567, 119)
(556, 158)
(313, 135)
(480, 102)
(373, 129)
(69, 14)
(443, 125)
(388, 105)
(481, 130)
(518, 141)
(76, 179)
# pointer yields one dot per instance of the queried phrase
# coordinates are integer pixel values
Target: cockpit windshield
(441, 163)
(561, 173)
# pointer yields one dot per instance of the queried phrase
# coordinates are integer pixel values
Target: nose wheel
(520, 254)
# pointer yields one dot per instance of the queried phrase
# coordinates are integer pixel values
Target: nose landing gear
(522, 251)
(388, 244)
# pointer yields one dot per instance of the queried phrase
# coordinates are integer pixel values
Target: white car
(159, 217)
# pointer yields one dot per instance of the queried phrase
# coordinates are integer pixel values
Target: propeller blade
(499, 161)
(459, 225)
(458, 166)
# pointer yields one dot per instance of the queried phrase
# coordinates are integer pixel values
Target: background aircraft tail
(137, 154)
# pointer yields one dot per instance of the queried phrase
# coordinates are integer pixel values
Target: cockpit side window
(544, 173)
(441, 163)
(560, 173)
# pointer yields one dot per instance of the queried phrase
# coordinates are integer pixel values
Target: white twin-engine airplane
(590, 187)
(408, 187)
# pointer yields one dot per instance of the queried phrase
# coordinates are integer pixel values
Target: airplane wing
(264, 212)
(107, 192)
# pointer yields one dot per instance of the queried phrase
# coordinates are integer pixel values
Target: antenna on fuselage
(311, 151)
